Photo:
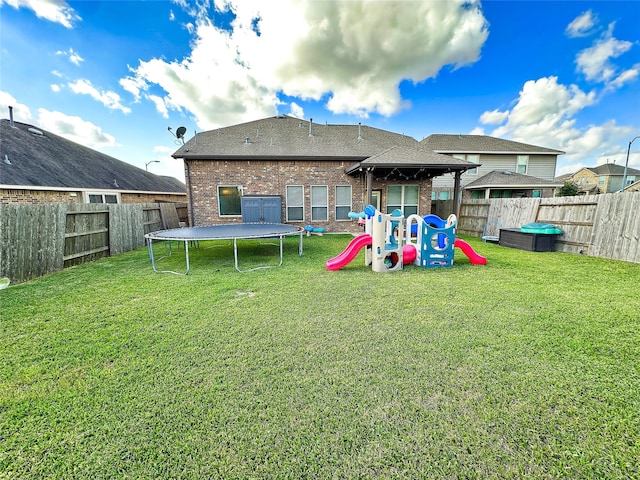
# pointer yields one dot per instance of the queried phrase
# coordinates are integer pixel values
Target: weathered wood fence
(40, 239)
(606, 226)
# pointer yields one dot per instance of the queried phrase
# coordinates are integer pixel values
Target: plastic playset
(387, 249)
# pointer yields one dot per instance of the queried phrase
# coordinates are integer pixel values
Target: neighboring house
(508, 184)
(38, 167)
(606, 178)
(633, 187)
(296, 171)
(493, 154)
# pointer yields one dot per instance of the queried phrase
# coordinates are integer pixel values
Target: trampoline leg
(235, 257)
(153, 261)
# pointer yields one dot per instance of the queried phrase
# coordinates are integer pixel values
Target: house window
(229, 200)
(601, 180)
(469, 158)
(536, 193)
(343, 202)
(444, 195)
(404, 197)
(97, 197)
(630, 180)
(295, 203)
(319, 203)
(522, 164)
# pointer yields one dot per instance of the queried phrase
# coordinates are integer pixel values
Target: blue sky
(114, 75)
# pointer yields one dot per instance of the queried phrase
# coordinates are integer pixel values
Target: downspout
(189, 193)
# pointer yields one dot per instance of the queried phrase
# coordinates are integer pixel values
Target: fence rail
(39, 239)
(606, 226)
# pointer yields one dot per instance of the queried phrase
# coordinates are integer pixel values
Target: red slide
(350, 252)
(470, 252)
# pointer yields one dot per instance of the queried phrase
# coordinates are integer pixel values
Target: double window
(469, 158)
(403, 197)
(522, 164)
(99, 197)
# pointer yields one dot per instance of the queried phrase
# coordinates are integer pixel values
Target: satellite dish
(180, 132)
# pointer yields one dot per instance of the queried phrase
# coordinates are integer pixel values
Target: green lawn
(526, 367)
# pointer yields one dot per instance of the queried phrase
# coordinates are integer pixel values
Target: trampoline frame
(228, 231)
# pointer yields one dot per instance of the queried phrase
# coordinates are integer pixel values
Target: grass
(525, 367)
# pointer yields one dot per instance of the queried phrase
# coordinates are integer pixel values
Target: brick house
(493, 154)
(315, 173)
(38, 167)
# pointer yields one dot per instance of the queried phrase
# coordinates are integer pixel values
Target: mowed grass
(528, 367)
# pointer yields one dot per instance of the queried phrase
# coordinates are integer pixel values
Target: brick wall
(43, 197)
(152, 198)
(272, 177)
(38, 197)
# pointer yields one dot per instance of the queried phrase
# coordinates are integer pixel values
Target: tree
(569, 189)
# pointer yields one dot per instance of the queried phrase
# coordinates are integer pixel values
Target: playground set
(386, 249)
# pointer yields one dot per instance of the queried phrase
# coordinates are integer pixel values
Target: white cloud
(160, 106)
(55, 87)
(109, 99)
(354, 54)
(296, 110)
(57, 11)
(73, 56)
(628, 76)
(75, 129)
(594, 62)
(494, 117)
(582, 25)
(545, 114)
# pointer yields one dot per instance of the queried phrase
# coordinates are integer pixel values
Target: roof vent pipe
(11, 116)
(359, 130)
(310, 123)
(247, 141)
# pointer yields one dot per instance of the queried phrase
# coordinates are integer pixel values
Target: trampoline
(232, 231)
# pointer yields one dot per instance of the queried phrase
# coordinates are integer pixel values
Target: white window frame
(522, 160)
(102, 194)
(325, 205)
(474, 158)
(229, 215)
(291, 205)
(343, 205)
(403, 204)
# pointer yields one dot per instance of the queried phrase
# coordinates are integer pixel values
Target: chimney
(11, 116)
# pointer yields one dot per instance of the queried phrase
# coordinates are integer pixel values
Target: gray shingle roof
(613, 169)
(284, 136)
(453, 143)
(47, 160)
(280, 137)
(505, 178)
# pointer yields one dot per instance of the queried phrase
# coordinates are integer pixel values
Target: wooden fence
(40, 239)
(606, 226)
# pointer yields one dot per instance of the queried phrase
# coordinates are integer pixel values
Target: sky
(122, 76)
